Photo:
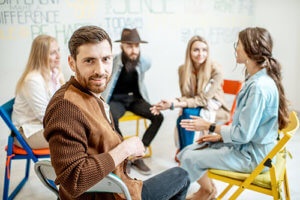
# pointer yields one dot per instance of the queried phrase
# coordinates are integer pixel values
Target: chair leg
(237, 193)
(137, 127)
(6, 179)
(22, 183)
(286, 186)
(225, 191)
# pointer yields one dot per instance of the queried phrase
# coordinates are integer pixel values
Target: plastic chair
(269, 182)
(111, 183)
(129, 116)
(232, 87)
(17, 153)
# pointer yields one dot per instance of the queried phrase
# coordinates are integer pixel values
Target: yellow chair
(129, 116)
(269, 182)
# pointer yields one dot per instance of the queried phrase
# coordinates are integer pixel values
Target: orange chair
(17, 153)
(232, 87)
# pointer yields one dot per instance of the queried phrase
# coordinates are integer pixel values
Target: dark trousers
(171, 184)
(121, 102)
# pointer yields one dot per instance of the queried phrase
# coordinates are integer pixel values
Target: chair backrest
(5, 113)
(111, 183)
(232, 87)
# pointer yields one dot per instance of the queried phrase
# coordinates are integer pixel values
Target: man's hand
(130, 147)
(194, 124)
(162, 105)
(210, 138)
(134, 146)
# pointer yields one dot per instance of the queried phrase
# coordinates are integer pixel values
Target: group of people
(78, 120)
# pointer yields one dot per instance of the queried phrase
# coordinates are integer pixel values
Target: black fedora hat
(130, 36)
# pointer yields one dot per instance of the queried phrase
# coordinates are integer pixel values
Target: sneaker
(128, 167)
(141, 167)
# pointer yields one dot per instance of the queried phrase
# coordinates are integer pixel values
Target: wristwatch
(172, 106)
(212, 128)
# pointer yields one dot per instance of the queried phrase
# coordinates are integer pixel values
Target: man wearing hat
(127, 91)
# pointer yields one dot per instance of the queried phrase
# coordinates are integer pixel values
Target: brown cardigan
(202, 98)
(80, 136)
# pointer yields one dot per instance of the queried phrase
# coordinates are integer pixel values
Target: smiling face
(199, 52)
(93, 65)
(54, 55)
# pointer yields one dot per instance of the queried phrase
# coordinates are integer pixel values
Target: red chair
(232, 87)
(17, 153)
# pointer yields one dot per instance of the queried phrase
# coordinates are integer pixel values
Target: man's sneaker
(141, 167)
(128, 167)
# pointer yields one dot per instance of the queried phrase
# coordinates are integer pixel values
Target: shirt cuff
(225, 133)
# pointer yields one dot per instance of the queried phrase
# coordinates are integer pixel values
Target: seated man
(127, 90)
(84, 144)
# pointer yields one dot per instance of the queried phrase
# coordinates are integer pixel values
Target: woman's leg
(186, 137)
(207, 189)
(35, 141)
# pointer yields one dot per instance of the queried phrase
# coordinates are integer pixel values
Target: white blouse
(31, 103)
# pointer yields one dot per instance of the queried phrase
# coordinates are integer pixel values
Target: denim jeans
(186, 137)
(171, 184)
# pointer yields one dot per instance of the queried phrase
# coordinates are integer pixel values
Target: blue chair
(17, 153)
(111, 183)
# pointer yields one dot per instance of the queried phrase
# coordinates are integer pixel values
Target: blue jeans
(186, 137)
(171, 184)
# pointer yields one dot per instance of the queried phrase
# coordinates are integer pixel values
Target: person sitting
(84, 144)
(261, 109)
(127, 90)
(200, 81)
(41, 78)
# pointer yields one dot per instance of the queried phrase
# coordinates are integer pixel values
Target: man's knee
(157, 118)
(181, 175)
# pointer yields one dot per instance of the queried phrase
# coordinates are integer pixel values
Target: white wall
(166, 24)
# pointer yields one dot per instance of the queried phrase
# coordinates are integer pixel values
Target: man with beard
(83, 142)
(127, 91)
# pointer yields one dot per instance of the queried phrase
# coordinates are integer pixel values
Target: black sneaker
(141, 167)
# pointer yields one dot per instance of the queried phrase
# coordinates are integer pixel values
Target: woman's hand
(195, 124)
(162, 105)
(210, 138)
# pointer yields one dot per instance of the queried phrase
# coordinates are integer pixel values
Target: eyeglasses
(234, 45)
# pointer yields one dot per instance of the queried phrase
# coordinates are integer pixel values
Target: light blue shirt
(254, 128)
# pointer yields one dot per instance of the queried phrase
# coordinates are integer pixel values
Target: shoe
(141, 167)
(128, 166)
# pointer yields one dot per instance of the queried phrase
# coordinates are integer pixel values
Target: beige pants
(35, 141)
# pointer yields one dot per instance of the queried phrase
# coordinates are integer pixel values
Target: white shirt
(31, 103)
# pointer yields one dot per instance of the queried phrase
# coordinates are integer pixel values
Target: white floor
(163, 158)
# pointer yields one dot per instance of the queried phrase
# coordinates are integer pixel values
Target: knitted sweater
(80, 136)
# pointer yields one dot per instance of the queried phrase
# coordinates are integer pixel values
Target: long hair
(38, 60)
(203, 73)
(258, 44)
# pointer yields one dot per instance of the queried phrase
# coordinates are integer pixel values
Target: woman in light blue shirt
(261, 109)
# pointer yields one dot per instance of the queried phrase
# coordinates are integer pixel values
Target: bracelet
(172, 106)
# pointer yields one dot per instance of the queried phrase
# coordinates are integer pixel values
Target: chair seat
(129, 116)
(21, 151)
(262, 180)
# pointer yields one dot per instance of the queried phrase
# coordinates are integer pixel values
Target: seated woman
(261, 109)
(41, 78)
(200, 81)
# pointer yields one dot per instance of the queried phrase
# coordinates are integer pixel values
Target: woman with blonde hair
(41, 78)
(200, 81)
(261, 110)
